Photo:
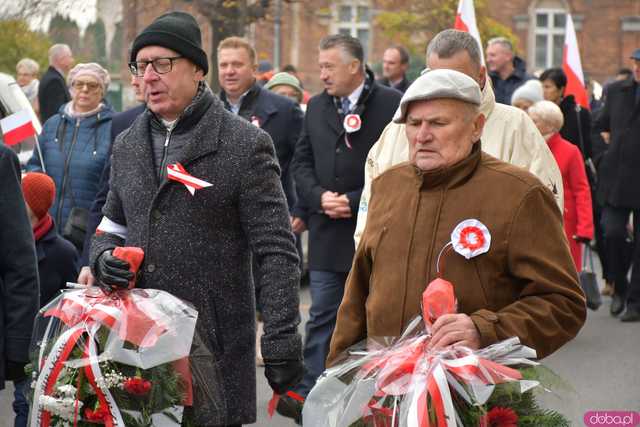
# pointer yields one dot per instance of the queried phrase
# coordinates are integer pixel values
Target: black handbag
(75, 229)
(588, 279)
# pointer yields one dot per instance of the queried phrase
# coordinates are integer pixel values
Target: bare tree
(230, 18)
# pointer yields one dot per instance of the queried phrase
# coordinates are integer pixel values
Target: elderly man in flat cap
(510, 265)
(198, 240)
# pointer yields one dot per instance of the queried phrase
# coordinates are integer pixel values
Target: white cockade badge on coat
(177, 172)
(471, 238)
(352, 123)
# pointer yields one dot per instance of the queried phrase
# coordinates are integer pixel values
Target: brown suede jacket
(525, 285)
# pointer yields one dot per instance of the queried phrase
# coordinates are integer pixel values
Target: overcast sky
(81, 11)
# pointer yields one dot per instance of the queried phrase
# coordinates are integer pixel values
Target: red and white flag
(572, 66)
(17, 127)
(466, 21)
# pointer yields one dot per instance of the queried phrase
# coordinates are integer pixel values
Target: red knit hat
(39, 191)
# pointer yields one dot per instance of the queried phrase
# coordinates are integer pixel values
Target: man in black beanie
(198, 238)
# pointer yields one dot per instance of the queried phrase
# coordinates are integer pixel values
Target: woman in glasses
(75, 145)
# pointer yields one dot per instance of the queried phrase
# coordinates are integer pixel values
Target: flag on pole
(572, 66)
(466, 21)
(17, 127)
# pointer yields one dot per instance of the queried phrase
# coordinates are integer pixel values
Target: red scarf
(42, 227)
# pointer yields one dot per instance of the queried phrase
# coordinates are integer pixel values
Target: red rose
(500, 417)
(98, 415)
(137, 386)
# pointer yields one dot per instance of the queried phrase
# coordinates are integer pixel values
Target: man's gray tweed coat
(199, 247)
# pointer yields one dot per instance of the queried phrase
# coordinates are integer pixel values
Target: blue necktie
(345, 106)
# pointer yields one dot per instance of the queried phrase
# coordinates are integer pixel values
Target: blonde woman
(27, 77)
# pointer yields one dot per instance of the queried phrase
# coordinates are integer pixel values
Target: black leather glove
(14, 371)
(112, 272)
(283, 375)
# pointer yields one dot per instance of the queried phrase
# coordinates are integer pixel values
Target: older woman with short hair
(75, 144)
(27, 78)
(578, 214)
(527, 95)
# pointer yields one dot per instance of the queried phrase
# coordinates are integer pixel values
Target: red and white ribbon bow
(177, 172)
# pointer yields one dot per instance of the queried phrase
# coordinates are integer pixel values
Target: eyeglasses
(91, 86)
(160, 66)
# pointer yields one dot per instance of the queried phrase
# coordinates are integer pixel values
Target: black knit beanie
(177, 31)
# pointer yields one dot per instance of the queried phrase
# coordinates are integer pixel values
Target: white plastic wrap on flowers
(407, 383)
(344, 394)
(168, 337)
(130, 358)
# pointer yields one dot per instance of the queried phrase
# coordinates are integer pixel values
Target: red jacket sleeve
(581, 192)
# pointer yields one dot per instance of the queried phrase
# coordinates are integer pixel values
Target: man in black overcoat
(198, 246)
(395, 63)
(618, 190)
(53, 91)
(341, 124)
(277, 115)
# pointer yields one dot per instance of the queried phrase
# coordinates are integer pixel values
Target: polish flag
(17, 127)
(572, 66)
(466, 21)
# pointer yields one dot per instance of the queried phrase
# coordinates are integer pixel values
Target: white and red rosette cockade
(471, 238)
(352, 123)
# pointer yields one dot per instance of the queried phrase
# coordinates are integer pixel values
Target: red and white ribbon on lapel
(177, 172)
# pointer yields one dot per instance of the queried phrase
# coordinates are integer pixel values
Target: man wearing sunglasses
(198, 244)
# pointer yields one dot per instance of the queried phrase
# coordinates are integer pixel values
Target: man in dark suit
(395, 63)
(53, 91)
(507, 70)
(119, 123)
(241, 94)
(341, 125)
(618, 169)
(280, 117)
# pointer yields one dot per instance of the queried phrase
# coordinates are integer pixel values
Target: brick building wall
(304, 24)
(607, 30)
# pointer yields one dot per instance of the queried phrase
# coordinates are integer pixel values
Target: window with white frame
(549, 37)
(353, 17)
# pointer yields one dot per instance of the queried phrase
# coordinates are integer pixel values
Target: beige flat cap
(437, 84)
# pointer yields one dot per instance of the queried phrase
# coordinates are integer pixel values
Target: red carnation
(500, 417)
(98, 415)
(137, 386)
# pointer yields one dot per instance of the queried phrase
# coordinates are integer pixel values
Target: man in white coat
(509, 134)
